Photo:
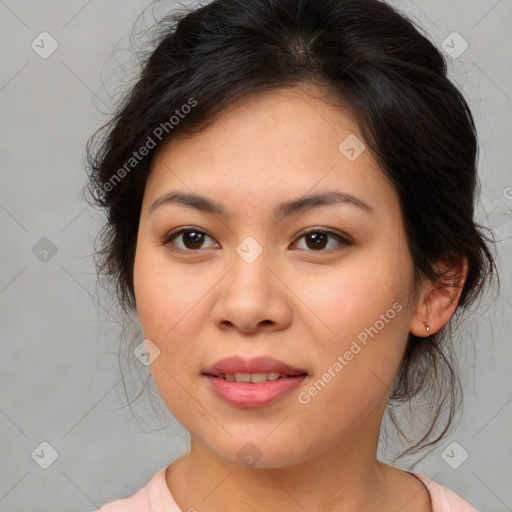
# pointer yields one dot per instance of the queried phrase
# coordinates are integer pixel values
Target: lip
(262, 364)
(249, 394)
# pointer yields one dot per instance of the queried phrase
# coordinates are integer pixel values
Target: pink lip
(248, 394)
(260, 364)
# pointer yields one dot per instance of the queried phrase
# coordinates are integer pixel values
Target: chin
(257, 452)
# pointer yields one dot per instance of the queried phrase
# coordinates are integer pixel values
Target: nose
(252, 297)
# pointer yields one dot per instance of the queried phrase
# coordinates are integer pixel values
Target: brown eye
(191, 239)
(317, 240)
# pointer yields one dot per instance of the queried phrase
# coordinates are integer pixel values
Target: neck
(339, 479)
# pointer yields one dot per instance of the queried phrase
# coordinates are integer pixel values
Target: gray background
(59, 374)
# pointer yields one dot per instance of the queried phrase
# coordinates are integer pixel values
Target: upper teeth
(252, 377)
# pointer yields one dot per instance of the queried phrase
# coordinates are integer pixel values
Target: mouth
(253, 382)
(255, 378)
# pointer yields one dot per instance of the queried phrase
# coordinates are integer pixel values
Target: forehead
(277, 144)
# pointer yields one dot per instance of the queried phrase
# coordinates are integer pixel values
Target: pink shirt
(156, 497)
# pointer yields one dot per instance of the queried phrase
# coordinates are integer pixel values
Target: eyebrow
(285, 209)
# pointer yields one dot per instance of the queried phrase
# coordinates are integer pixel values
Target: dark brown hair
(364, 54)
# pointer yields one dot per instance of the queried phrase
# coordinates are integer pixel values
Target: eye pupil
(319, 240)
(197, 238)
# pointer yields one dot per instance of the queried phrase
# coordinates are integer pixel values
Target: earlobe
(437, 302)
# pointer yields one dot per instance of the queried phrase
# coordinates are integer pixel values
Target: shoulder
(154, 496)
(138, 502)
(444, 499)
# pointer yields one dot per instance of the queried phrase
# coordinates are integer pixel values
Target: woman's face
(246, 281)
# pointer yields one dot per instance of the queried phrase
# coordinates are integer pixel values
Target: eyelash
(344, 242)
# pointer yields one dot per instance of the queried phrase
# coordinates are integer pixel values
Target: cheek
(172, 306)
(356, 371)
(353, 299)
(164, 294)
(367, 311)
(167, 300)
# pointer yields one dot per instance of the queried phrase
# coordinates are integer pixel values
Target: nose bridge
(250, 267)
(251, 296)
(250, 250)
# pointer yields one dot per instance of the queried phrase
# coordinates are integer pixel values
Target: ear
(437, 302)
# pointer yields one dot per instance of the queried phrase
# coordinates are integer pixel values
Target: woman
(290, 189)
